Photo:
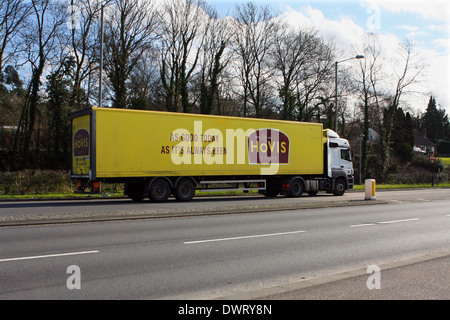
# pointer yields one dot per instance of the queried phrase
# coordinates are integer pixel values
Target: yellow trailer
(160, 153)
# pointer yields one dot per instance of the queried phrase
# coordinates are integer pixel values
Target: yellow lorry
(156, 154)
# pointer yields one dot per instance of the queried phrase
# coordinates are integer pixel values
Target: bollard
(370, 189)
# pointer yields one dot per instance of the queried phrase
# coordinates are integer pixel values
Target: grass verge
(404, 186)
(445, 161)
(72, 195)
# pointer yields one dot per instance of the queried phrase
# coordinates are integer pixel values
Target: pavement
(425, 277)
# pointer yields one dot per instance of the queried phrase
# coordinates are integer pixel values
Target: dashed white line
(245, 237)
(395, 221)
(49, 256)
(362, 225)
(382, 222)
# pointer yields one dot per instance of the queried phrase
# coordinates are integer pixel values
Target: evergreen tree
(435, 121)
(58, 110)
(402, 136)
(436, 125)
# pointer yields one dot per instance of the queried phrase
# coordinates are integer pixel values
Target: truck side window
(345, 154)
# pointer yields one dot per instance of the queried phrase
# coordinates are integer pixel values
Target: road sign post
(432, 160)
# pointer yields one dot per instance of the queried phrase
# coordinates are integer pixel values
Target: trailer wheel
(135, 191)
(296, 188)
(339, 188)
(184, 190)
(273, 188)
(159, 190)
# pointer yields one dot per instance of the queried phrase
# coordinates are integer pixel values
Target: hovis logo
(81, 143)
(268, 146)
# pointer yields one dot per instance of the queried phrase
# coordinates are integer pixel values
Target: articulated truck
(159, 154)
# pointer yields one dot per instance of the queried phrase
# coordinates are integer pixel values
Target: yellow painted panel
(81, 145)
(132, 143)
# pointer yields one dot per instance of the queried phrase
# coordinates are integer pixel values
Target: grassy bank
(39, 184)
(46, 184)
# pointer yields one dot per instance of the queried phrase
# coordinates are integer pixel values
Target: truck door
(345, 160)
(81, 153)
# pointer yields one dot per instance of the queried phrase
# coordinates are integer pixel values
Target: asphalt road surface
(29, 212)
(193, 254)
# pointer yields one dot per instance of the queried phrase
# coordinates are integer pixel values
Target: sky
(426, 23)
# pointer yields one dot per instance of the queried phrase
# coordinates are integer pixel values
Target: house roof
(423, 141)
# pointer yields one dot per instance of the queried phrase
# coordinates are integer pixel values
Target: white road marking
(382, 222)
(245, 237)
(49, 256)
(362, 225)
(395, 221)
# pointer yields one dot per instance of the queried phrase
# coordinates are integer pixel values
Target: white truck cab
(340, 165)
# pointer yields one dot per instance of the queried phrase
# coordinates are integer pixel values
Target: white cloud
(407, 28)
(343, 31)
(442, 43)
(435, 27)
(438, 79)
(347, 35)
(429, 9)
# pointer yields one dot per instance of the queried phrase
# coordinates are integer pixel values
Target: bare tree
(130, 30)
(13, 14)
(215, 59)
(365, 84)
(303, 64)
(314, 79)
(184, 32)
(253, 33)
(380, 91)
(46, 21)
(405, 74)
(145, 85)
(85, 42)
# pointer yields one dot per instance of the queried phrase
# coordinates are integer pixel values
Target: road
(37, 212)
(212, 256)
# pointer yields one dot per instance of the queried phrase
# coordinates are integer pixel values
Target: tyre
(135, 191)
(184, 190)
(273, 189)
(339, 188)
(159, 190)
(296, 188)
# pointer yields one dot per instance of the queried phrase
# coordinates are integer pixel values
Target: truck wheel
(296, 189)
(273, 189)
(339, 188)
(184, 190)
(159, 190)
(135, 191)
